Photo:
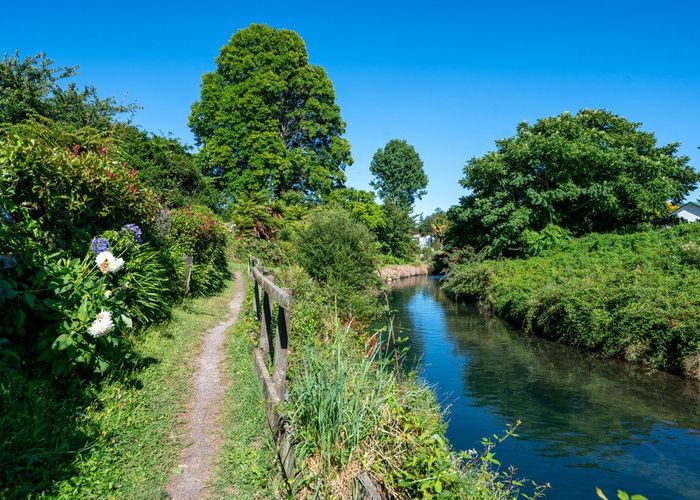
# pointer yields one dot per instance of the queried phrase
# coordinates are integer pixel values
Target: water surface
(586, 421)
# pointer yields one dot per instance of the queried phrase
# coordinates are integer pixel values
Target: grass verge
(247, 465)
(116, 439)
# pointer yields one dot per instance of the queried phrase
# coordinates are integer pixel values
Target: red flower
(132, 172)
(110, 175)
(132, 189)
(102, 151)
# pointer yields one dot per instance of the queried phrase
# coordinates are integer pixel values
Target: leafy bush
(198, 232)
(59, 188)
(337, 252)
(65, 198)
(630, 296)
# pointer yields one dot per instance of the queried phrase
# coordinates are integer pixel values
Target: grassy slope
(247, 466)
(631, 296)
(113, 440)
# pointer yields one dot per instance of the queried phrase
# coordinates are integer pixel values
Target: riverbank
(399, 271)
(633, 297)
(353, 411)
(587, 421)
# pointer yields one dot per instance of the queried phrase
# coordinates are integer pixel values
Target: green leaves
(589, 172)
(267, 120)
(621, 495)
(399, 176)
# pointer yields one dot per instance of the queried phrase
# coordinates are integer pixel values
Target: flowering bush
(96, 252)
(197, 231)
(59, 189)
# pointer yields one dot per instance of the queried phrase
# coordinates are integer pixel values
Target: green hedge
(633, 296)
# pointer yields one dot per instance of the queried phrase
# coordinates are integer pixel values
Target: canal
(586, 421)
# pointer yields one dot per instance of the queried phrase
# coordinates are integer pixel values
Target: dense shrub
(629, 296)
(337, 251)
(198, 232)
(64, 200)
(59, 188)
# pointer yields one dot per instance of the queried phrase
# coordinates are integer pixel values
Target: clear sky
(449, 77)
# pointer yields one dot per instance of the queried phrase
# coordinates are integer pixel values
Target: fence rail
(272, 349)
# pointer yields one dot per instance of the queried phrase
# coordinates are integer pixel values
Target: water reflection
(586, 421)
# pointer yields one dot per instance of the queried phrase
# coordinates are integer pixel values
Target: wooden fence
(272, 346)
(271, 351)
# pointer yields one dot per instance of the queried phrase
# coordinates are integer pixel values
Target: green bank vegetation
(629, 296)
(567, 234)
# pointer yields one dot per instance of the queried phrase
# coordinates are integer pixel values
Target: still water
(586, 422)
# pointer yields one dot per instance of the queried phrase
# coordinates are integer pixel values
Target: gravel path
(208, 387)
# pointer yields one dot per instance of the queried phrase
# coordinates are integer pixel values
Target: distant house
(689, 211)
(423, 241)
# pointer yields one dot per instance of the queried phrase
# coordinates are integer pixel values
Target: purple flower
(99, 245)
(136, 231)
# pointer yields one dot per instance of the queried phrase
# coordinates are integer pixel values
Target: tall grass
(338, 399)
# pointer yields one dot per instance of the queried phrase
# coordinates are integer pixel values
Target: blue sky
(449, 77)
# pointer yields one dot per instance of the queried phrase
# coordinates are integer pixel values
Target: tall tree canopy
(589, 172)
(399, 175)
(267, 119)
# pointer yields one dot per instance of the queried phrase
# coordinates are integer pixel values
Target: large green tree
(589, 172)
(267, 119)
(31, 87)
(398, 172)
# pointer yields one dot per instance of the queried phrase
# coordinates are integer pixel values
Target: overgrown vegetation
(630, 296)
(354, 412)
(95, 253)
(589, 172)
(114, 437)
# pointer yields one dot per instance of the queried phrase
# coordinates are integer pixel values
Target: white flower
(108, 263)
(108, 293)
(102, 325)
(117, 265)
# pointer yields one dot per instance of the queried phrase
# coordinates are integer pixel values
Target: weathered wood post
(187, 260)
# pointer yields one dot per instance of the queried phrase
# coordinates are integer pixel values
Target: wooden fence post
(187, 259)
